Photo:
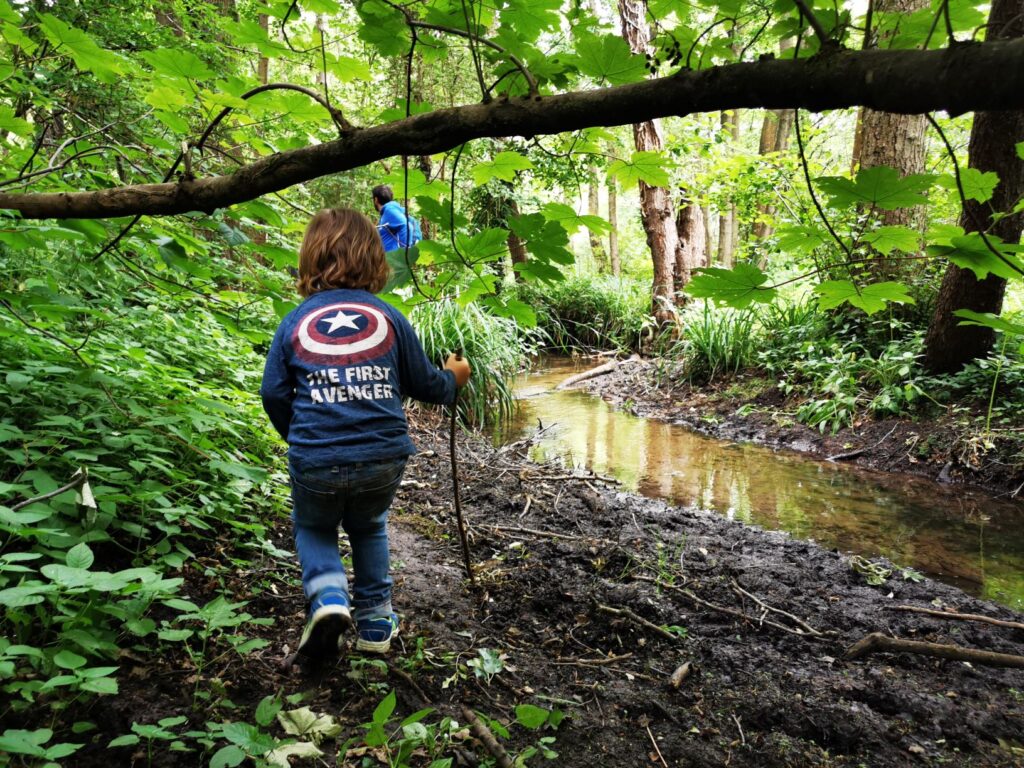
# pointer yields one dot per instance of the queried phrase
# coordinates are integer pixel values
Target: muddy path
(590, 598)
(947, 448)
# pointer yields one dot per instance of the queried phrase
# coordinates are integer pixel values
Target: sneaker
(375, 634)
(328, 618)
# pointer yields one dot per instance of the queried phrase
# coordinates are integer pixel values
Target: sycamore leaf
(177, 63)
(989, 320)
(383, 27)
(11, 124)
(870, 298)
(801, 239)
(487, 245)
(538, 270)
(519, 311)
(87, 55)
(401, 266)
(531, 17)
(504, 166)
(970, 252)
(885, 240)
(418, 184)
(608, 57)
(649, 167)
(738, 287)
(977, 185)
(880, 186)
(566, 216)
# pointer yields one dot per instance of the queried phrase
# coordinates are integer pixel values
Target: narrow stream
(957, 535)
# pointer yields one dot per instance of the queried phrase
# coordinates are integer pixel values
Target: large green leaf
(969, 251)
(989, 320)
(526, 19)
(383, 27)
(504, 166)
(977, 185)
(871, 298)
(801, 238)
(608, 58)
(177, 63)
(401, 266)
(880, 186)
(87, 55)
(649, 167)
(566, 216)
(738, 287)
(487, 245)
(885, 240)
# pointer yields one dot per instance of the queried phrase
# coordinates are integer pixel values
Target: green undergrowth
(839, 367)
(591, 312)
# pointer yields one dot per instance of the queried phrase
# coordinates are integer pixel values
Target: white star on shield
(340, 320)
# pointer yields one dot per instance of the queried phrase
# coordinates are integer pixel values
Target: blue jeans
(356, 497)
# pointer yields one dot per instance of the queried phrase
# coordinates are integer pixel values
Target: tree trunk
(655, 204)
(593, 209)
(705, 214)
(515, 245)
(948, 346)
(728, 226)
(263, 67)
(613, 221)
(691, 247)
(898, 141)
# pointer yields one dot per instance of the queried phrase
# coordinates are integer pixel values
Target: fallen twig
(410, 682)
(592, 662)
(483, 733)
(679, 676)
(658, 751)
(958, 616)
(877, 642)
(626, 613)
(800, 622)
(595, 372)
(859, 451)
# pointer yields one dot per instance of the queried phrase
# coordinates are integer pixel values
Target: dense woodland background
(825, 254)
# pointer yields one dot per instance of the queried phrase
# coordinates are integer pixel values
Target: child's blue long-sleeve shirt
(393, 226)
(337, 370)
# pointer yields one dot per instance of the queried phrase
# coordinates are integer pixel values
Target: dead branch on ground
(876, 642)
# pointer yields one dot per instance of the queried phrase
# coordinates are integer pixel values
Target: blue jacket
(335, 376)
(393, 224)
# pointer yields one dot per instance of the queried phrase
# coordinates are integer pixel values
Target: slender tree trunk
(948, 345)
(898, 141)
(775, 130)
(705, 214)
(263, 68)
(594, 209)
(656, 208)
(728, 225)
(515, 245)
(613, 232)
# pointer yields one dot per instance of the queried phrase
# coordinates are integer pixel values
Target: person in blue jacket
(336, 372)
(394, 226)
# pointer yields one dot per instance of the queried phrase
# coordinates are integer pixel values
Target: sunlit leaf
(970, 251)
(608, 58)
(177, 63)
(87, 55)
(649, 167)
(989, 320)
(871, 298)
(880, 186)
(504, 166)
(738, 287)
(894, 238)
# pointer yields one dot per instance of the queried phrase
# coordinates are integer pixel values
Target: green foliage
(590, 312)
(715, 342)
(739, 287)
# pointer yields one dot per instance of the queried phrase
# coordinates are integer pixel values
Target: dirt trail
(551, 551)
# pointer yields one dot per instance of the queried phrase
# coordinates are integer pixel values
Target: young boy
(394, 226)
(333, 384)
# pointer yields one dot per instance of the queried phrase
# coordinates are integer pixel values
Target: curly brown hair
(341, 249)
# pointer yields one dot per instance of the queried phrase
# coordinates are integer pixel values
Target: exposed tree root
(876, 642)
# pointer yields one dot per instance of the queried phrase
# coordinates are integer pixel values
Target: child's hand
(460, 367)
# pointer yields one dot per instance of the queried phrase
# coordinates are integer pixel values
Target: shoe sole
(328, 623)
(376, 646)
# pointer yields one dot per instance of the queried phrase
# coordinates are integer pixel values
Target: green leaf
(127, 740)
(880, 186)
(504, 166)
(802, 239)
(608, 58)
(87, 56)
(267, 710)
(79, 556)
(649, 167)
(383, 27)
(401, 265)
(894, 238)
(177, 63)
(68, 660)
(989, 320)
(566, 216)
(248, 737)
(871, 298)
(227, 757)
(970, 252)
(519, 311)
(383, 711)
(529, 716)
(1020, 149)
(103, 685)
(738, 287)
(13, 124)
(488, 245)
(977, 185)
(304, 722)
(19, 742)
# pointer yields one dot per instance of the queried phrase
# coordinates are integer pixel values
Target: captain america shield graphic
(343, 334)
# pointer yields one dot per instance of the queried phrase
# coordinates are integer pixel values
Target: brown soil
(946, 448)
(550, 551)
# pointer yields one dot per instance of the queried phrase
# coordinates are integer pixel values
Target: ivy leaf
(84, 51)
(970, 252)
(649, 167)
(738, 287)
(870, 298)
(989, 320)
(880, 186)
(504, 166)
(608, 57)
(885, 240)
(177, 63)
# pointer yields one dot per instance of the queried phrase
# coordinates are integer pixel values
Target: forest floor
(587, 599)
(949, 447)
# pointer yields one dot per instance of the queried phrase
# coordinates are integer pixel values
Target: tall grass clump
(716, 342)
(590, 312)
(496, 347)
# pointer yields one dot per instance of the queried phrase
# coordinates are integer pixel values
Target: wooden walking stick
(455, 485)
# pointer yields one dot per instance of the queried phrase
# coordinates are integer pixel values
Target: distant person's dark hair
(383, 193)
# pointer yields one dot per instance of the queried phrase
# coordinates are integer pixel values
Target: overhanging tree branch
(979, 76)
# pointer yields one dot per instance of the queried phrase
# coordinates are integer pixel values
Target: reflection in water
(959, 536)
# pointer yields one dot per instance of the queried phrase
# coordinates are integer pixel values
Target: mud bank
(947, 449)
(591, 598)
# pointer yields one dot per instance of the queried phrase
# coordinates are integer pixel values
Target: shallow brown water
(958, 535)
